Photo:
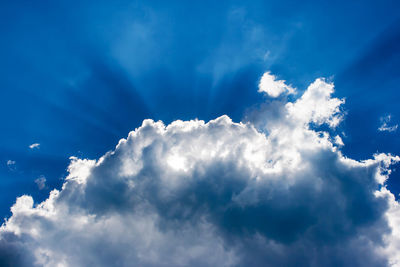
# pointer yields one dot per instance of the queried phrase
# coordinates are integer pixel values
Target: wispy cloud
(34, 146)
(11, 164)
(41, 182)
(385, 124)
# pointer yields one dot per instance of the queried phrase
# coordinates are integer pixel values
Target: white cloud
(41, 182)
(11, 164)
(385, 127)
(273, 87)
(317, 106)
(35, 145)
(217, 194)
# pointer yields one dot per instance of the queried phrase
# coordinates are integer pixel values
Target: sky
(77, 77)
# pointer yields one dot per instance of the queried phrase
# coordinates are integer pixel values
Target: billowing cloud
(385, 124)
(273, 87)
(219, 193)
(35, 145)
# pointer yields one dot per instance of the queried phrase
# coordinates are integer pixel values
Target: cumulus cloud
(219, 193)
(35, 145)
(385, 127)
(273, 87)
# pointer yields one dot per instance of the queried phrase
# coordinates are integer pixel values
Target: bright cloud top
(217, 194)
(273, 87)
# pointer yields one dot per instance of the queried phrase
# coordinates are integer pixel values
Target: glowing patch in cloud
(177, 162)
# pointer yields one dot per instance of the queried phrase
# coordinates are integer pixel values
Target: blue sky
(77, 77)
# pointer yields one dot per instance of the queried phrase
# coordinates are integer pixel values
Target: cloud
(41, 182)
(219, 193)
(385, 127)
(338, 140)
(11, 164)
(272, 87)
(35, 145)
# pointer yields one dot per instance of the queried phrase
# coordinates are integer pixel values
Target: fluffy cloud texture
(276, 193)
(273, 87)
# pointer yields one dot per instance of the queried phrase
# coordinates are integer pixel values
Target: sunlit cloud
(273, 87)
(217, 193)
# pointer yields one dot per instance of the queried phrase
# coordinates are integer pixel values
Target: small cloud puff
(34, 146)
(273, 87)
(338, 141)
(10, 162)
(385, 127)
(41, 182)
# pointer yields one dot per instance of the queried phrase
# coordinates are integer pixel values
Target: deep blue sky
(76, 76)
